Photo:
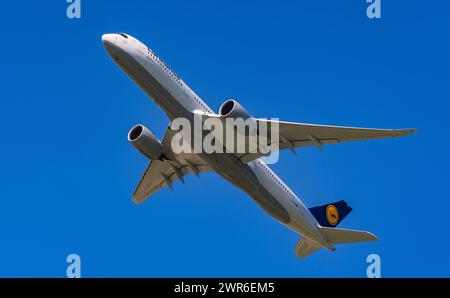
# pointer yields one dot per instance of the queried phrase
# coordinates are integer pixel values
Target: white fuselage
(175, 97)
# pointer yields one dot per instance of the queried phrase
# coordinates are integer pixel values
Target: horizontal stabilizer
(339, 236)
(305, 247)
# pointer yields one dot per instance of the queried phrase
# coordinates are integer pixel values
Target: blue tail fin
(330, 215)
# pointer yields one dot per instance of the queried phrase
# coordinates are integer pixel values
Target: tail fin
(330, 215)
(339, 236)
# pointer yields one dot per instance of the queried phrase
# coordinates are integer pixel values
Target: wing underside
(305, 247)
(160, 174)
(292, 135)
(163, 173)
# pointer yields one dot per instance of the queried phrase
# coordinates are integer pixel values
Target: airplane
(247, 170)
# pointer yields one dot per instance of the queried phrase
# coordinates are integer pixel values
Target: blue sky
(68, 171)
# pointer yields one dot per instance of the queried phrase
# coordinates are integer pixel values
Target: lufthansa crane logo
(332, 215)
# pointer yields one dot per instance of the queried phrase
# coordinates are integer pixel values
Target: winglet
(404, 132)
(135, 200)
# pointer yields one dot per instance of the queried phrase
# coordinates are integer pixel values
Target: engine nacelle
(145, 142)
(231, 109)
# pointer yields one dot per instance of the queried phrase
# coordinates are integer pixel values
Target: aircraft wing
(160, 174)
(293, 135)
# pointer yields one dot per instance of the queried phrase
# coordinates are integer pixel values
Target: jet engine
(145, 142)
(231, 109)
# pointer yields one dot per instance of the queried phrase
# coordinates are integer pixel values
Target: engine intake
(231, 109)
(145, 142)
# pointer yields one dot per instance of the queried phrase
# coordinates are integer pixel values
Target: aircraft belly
(242, 176)
(173, 105)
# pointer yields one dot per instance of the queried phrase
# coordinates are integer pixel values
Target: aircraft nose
(108, 40)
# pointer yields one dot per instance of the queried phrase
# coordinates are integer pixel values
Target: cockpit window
(124, 35)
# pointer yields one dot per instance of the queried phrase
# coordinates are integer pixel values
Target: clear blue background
(67, 170)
